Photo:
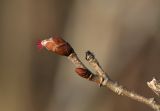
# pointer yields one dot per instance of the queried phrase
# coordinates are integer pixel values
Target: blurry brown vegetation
(124, 35)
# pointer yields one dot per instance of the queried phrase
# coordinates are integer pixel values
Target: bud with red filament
(56, 45)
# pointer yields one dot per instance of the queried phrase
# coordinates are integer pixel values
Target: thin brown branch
(107, 82)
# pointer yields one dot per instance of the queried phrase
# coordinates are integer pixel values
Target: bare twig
(118, 88)
(107, 82)
(61, 47)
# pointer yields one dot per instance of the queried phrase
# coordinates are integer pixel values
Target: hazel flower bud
(58, 46)
(85, 73)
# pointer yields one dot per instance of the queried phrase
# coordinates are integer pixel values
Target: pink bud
(39, 44)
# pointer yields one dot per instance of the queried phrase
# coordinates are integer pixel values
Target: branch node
(151, 100)
(118, 88)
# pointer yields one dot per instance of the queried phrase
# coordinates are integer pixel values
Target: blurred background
(123, 34)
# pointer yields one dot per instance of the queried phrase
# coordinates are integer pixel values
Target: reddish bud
(58, 46)
(85, 73)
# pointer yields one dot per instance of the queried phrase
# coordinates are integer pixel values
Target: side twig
(118, 89)
(61, 47)
(154, 85)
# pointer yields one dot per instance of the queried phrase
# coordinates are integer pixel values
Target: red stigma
(39, 45)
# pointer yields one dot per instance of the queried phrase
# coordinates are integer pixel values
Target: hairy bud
(58, 46)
